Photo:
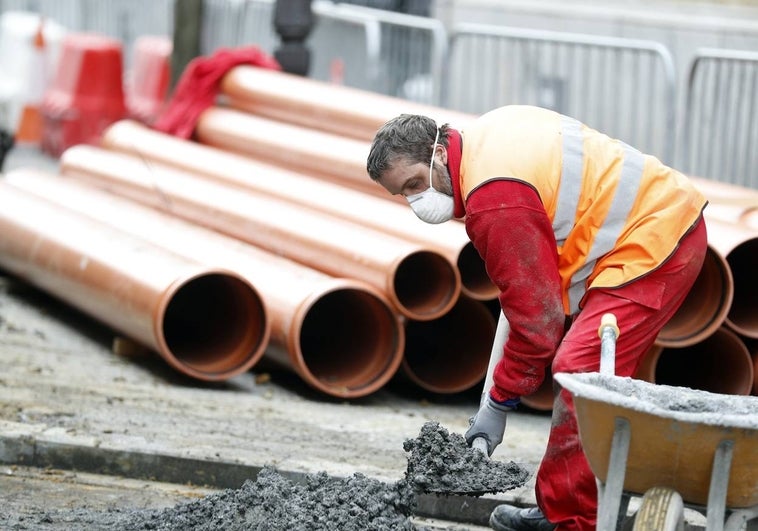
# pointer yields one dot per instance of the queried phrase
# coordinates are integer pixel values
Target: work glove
(489, 423)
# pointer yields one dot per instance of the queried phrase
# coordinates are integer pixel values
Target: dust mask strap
(431, 205)
(431, 162)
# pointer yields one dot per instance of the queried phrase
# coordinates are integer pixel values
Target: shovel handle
(480, 443)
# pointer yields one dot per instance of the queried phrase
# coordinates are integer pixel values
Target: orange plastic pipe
(720, 363)
(543, 398)
(749, 218)
(739, 245)
(332, 157)
(449, 238)
(206, 322)
(320, 105)
(419, 282)
(729, 202)
(706, 306)
(450, 354)
(339, 335)
(752, 347)
(646, 369)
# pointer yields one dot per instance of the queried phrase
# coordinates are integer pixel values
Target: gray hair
(409, 137)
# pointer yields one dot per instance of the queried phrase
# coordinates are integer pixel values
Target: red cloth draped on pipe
(198, 86)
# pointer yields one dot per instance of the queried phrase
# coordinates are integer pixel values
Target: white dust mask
(432, 206)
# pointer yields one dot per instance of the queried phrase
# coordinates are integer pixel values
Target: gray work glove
(489, 424)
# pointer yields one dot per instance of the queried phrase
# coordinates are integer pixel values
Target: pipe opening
(450, 354)
(215, 326)
(646, 369)
(705, 307)
(544, 397)
(351, 343)
(719, 364)
(426, 285)
(743, 261)
(475, 282)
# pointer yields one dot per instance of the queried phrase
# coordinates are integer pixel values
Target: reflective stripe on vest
(572, 172)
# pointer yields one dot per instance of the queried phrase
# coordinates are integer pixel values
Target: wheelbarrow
(674, 446)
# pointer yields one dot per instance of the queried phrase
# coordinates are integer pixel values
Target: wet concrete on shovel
(442, 462)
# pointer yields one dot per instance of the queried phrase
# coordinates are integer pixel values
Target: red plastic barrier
(86, 95)
(150, 78)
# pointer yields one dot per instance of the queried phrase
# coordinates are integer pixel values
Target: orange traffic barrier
(86, 94)
(150, 77)
(29, 128)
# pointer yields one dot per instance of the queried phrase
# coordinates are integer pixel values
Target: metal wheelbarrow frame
(673, 445)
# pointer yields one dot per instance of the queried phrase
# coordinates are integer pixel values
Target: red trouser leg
(565, 486)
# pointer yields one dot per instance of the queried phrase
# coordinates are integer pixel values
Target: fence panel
(623, 87)
(231, 23)
(720, 140)
(382, 51)
(344, 47)
(407, 55)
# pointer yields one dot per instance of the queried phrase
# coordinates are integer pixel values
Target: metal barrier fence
(411, 51)
(623, 87)
(345, 48)
(720, 139)
(230, 23)
(389, 53)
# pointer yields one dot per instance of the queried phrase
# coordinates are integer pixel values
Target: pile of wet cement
(273, 503)
(439, 461)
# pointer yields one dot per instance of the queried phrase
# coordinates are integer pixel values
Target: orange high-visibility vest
(616, 213)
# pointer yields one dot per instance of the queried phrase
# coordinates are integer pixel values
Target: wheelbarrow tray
(674, 435)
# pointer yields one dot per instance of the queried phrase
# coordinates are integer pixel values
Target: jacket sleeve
(510, 229)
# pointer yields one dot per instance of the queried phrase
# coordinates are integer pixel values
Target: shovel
(501, 335)
(462, 471)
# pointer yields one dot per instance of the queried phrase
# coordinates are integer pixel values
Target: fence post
(293, 21)
(188, 23)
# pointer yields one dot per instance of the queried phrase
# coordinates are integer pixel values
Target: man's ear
(443, 153)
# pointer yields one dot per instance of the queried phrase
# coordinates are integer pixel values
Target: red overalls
(508, 222)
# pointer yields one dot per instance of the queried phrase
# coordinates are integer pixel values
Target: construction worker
(571, 224)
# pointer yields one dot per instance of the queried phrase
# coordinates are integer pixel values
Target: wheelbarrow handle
(608, 332)
(608, 319)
